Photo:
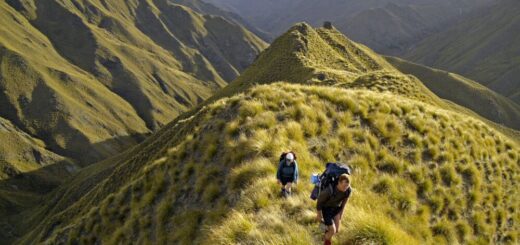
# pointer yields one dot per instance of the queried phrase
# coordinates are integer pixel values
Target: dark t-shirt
(288, 170)
(333, 198)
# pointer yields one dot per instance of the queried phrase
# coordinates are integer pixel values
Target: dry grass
(232, 196)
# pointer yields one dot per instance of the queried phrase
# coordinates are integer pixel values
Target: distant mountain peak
(305, 54)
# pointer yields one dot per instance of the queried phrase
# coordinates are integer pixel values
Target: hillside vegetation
(87, 79)
(326, 57)
(204, 7)
(83, 80)
(27, 154)
(464, 92)
(483, 47)
(424, 171)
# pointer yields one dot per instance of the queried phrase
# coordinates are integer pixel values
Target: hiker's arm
(295, 172)
(278, 173)
(343, 204)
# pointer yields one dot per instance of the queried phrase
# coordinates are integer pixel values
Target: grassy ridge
(426, 171)
(465, 92)
(411, 160)
(326, 57)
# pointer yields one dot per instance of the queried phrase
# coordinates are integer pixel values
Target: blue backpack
(329, 178)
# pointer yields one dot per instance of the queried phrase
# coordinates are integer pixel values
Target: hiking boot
(283, 193)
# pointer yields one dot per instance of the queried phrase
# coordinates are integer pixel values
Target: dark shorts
(329, 213)
(286, 180)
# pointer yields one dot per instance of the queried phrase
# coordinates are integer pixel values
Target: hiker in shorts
(330, 206)
(287, 173)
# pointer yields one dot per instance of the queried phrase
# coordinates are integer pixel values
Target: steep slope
(322, 56)
(23, 153)
(207, 8)
(465, 92)
(422, 174)
(89, 78)
(21, 144)
(484, 47)
(326, 57)
(47, 97)
(84, 80)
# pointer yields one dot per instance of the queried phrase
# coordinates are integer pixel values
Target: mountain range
(81, 81)
(421, 165)
(387, 26)
(87, 79)
(476, 39)
(483, 47)
(162, 121)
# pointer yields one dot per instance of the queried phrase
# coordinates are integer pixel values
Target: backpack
(329, 178)
(282, 156)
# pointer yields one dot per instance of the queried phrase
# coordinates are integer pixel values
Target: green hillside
(483, 47)
(208, 8)
(464, 92)
(327, 57)
(424, 171)
(87, 79)
(27, 154)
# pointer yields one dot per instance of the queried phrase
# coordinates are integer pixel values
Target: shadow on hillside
(26, 190)
(48, 177)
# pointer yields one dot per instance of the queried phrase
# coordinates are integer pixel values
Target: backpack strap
(282, 156)
(332, 190)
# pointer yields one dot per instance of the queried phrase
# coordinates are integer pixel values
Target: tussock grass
(246, 174)
(232, 197)
(372, 228)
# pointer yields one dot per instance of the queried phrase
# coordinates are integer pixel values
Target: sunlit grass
(409, 188)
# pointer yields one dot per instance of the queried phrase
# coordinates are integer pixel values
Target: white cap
(289, 156)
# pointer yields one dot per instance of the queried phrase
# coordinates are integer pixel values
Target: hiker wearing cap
(330, 206)
(287, 173)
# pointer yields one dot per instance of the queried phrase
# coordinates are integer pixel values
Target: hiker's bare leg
(337, 222)
(330, 232)
(288, 186)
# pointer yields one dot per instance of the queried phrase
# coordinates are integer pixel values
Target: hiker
(330, 206)
(287, 173)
